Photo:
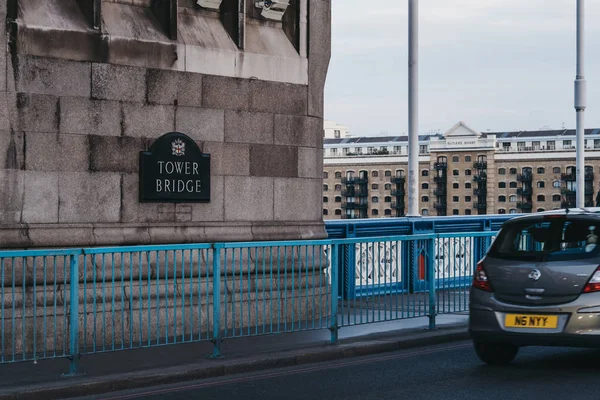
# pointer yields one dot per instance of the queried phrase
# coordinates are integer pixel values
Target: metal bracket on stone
(165, 12)
(92, 11)
(233, 16)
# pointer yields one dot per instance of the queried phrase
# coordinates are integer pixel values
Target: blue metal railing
(69, 303)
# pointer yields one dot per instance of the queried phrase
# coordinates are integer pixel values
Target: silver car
(539, 284)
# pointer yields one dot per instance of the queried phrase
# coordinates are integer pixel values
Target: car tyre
(496, 353)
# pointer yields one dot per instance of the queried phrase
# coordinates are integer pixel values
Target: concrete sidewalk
(177, 363)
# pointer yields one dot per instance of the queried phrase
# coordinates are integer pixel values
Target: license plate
(530, 321)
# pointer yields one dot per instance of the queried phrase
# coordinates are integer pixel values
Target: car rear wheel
(496, 353)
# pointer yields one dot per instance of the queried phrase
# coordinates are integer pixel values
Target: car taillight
(481, 280)
(593, 284)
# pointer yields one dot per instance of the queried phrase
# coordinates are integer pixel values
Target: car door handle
(534, 291)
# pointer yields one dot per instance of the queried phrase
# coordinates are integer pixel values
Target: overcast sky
(495, 64)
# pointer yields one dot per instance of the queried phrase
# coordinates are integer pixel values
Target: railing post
(430, 265)
(216, 302)
(335, 266)
(74, 317)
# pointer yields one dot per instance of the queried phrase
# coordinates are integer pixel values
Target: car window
(551, 240)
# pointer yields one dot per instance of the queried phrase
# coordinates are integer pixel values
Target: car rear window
(551, 240)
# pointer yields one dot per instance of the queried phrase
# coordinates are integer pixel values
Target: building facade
(461, 172)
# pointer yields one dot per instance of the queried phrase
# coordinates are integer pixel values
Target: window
(397, 149)
(556, 170)
(325, 175)
(424, 199)
(358, 150)
(455, 159)
(541, 197)
(513, 211)
(556, 197)
(454, 212)
(467, 185)
(501, 171)
(338, 212)
(388, 212)
(346, 150)
(325, 188)
(374, 212)
(375, 186)
(467, 158)
(388, 199)
(336, 134)
(374, 199)
(541, 184)
(375, 174)
(467, 212)
(506, 146)
(325, 199)
(513, 171)
(388, 186)
(467, 198)
(338, 199)
(513, 185)
(520, 146)
(541, 210)
(501, 199)
(512, 197)
(556, 184)
(423, 149)
(455, 172)
(535, 145)
(338, 175)
(597, 143)
(370, 150)
(501, 185)
(467, 172)
(425, 186)
(388, 173)
(338, 188)
(541, 170)
(455, 199)
(567, 144)
(424, 173)
(551, 145)
(501, 211)
(455, 185)
(333, 151)
(424, 212)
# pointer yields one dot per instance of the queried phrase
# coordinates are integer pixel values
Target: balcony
(355, 193)
(440, 165)
(440, 205)
(479, 205)
(398, 192)
(398, 180)
(525, 191)
(480, 165)
(480, 178)
(480, 192)
(354, 206)
(355, 180)
(572, 176)
(567, 204)
(527, 177)
(525, 205)
(572, 192)
(440, 179)
(398, 205)
(439, 192)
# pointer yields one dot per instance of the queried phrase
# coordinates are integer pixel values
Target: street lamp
(580, 104)
(413, 110)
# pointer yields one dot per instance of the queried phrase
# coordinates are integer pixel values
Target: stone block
(317, 73)
(212, 211)
(40, 203)
(12, 150)
(134, 211)
(310, 162)
(46, 152)
(320, 28)
(298, 131)
(279, 98)
(298, 199)
(3, 53)
(228, 158)
(90, 117)
(113, 82)
(268, 160)
(53, 76)
(89, 197)
(148, 121)
(245, 127)
(228, 233)
(248, 198)
(11, 202)
(166, 87)
(115, 154)
(201, 124)
(37, 113)
(137, 52)
(4, 111)
(226, 93)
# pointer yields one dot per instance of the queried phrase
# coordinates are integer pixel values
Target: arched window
(325, 188)
(541, 184)
(424, 172)
(513, 211)
(338, 175)
(325, 199)
(467, 158)
(374, 186)
(540, 210)
(556, 197)
(501, 199)
(541, 170)
(501, 211)
(338, 212)
(425, 185)
(556, 170)
(512, 197)
(388, 173)
(388, 199)
(467, 172)
(501, 185)
(338, 188)
(455, 185)
(325, 175)
(455, 159)
(455, 172)
(424, 199)
(513, 171)
(374, 199)
(375, 174)
(388, 212)
(467, 212)
(338, 199)
(467, 185)
(501, 171)
(424, 211)
(513, 185)
(374, 212)
(388, 186)
(541, 197)
(455, 212)
(325, 212)
(556, 184)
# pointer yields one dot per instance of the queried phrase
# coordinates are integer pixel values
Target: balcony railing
(398, 179)
(398, 205)
(354, 206)
(440, 191)
(355, 180)
(480, 178)
(525, 205)
(480, 192)
(572, 176)
(440, 205)
(527, 177)
(355, 193)
(572, 192)
(440, 179)
(398, 192)
(479, 205)
(440, 165)
(480, 165)
(525, 191)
